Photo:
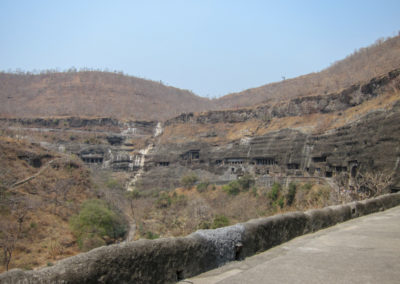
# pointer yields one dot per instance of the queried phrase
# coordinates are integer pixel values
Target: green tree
(246, 182)
(275, 190)
(290, 196)
(232, 188)
(189, 180)
(220, 221)
(163, 200)
(96, 223)
(132, 196)
(151, 236)
(280, 202)
(203, 186)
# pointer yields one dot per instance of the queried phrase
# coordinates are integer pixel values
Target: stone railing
(168, 260)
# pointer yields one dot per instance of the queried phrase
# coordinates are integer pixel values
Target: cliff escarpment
(113, 94)
(350, 97)
(318, 136)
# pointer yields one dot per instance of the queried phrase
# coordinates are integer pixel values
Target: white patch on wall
(158, 130)
(396, 165)
(139, 161)
(129, 131)
(245, 141)
(107, 163)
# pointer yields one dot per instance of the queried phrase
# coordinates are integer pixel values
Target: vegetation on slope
(208, 206)
(39, 193)
(311, 123)
(365, 63)
(96, 224)
(93, 94)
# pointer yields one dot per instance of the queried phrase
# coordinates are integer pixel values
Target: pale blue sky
(210, 47)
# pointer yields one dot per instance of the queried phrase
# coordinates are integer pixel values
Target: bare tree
(11, 227)
(62, 188)
(132, 196)
(364, 185)
(9, 234)
(341, 184)
(370, 184)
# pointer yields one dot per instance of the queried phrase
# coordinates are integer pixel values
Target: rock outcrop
(162, 158)
(353, 96)
(285, 152)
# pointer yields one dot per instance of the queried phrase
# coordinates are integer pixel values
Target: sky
(209, 47)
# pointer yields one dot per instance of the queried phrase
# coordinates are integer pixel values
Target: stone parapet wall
(170, 259)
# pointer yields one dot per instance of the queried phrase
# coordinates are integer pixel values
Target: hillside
(105, 94)
(377, 59)
(193, 171)
(39, 191)
(93, 94)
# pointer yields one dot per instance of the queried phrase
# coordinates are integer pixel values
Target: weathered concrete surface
(363, 250)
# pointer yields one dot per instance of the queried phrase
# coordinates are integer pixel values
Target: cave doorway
(353, 171)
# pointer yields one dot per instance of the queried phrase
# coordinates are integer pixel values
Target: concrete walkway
(363, 250)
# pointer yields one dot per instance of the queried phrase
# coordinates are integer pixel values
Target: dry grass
(312, 123)
(319, 122)
(96, 94)
(190, 210)
(93, 94)
(49, 204)
(210, 133)
(366, 63)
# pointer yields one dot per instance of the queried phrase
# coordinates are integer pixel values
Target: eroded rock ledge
(326, 103)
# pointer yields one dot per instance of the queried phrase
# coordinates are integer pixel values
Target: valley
(201, 164)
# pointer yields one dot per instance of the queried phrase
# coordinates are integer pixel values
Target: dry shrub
(55, 249)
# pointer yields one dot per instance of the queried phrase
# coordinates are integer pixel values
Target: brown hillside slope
(39, 191)
(366, 63)
(93, 94)
(104, 94)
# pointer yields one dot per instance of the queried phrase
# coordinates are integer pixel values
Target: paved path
(132, 231)
(363, 250)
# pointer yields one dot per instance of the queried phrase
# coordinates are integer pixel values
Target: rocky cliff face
(101, 124)
(353, 96)
(369, 142)
(100, 142)
(284, 153)
(316, 136)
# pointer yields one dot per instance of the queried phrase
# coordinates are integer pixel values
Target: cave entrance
(340, 169)
(353, 171)
(92, 160)
(234, 161)
(36, 163)
(321, 159)
(265, 161)
(191, 155)
(293, 166)
(195, 154)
